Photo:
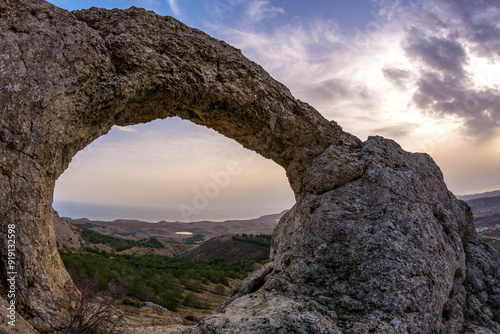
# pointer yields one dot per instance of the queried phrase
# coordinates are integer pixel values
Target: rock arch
(66, 78)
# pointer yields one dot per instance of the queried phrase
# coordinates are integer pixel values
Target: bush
(129, 302)
(169, 301)
(192, 301)
(190, 318)
(194, 239)
(224, 281)
(193, 286)
(87, 316)
(220, 290)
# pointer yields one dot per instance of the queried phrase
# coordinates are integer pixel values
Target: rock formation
(375, 243)
(67, 235)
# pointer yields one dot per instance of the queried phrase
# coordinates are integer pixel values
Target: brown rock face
(375, 243)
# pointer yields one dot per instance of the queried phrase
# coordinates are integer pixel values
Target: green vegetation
(119, 244)
(158, 279)
(220, 290)
(130, 234)
(192, 301)
(258, 239)
(190, 318)
(129, 302)
(194, 239)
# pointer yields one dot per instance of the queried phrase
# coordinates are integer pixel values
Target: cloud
(478, 21)
(442, 54)
(338, 73)
(259, 10)
(396, 76)
(425, 50)
(396, 131)
(338, 90)
(444, 37)
(444, 96)
(125, 128)
(174, 6)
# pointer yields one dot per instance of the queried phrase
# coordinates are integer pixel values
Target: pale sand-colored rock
(375, 243)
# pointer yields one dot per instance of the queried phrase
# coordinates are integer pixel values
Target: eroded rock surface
(375, 243)
(390, 252)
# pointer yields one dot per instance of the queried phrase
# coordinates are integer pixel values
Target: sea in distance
(103, 212)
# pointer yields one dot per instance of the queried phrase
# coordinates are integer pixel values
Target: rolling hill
(486, 212)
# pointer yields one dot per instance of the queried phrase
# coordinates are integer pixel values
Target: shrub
(87, 316)
(220, 290)
(169, 301)
(129, 302)
(195, 286)
(192, 301)
(190, 318)
(223, 280)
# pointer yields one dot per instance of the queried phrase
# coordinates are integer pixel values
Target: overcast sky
(425, 73)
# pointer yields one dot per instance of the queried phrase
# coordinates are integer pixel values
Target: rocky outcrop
(67, 235)
(390, 252)
(375, 243)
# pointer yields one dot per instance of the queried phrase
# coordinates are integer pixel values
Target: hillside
(78, 237)
(486, 212)
(231, 248)
(177, 231)
(467, 198)
(188, 279)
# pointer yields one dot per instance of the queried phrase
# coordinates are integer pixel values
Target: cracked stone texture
(375, 242)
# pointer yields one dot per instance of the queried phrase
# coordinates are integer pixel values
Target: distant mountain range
(177, 231)
(480, 195)
(232, 240)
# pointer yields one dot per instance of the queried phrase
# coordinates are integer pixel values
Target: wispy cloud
(261, 9)
(125, 128)
(174, 6)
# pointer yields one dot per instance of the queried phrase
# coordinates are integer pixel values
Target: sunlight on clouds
(464, 161)
(484, 71)
(342, 76)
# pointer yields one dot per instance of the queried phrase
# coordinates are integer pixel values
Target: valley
(183, 270)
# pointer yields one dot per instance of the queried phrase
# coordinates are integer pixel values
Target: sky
(425, 73)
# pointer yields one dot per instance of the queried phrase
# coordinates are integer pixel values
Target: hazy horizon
(103, 212)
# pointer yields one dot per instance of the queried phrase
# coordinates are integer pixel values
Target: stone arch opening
(240, 164)
(170, 170)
